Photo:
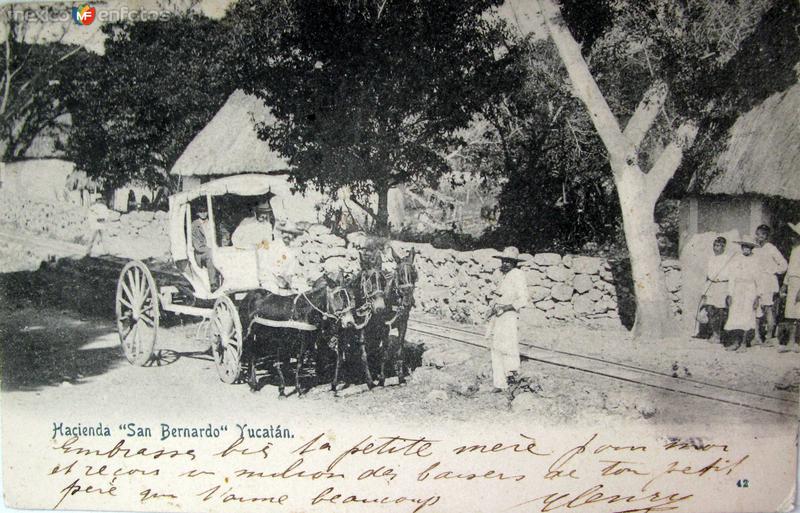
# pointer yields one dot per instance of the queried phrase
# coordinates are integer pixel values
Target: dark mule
(324, 308)
(400, 301)
(368, 289)
(383, 301)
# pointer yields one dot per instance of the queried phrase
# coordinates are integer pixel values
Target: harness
(332, 295)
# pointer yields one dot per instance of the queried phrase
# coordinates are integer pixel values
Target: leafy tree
(368, 94)
(655, 70)
(557, 193)
(34, 77)
(157, 85)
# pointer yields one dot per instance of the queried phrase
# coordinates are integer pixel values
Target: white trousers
(505, 347)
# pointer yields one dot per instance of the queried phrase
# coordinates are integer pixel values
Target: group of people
(275, 260)
(740, 301)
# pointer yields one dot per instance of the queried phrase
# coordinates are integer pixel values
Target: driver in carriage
(277, 265)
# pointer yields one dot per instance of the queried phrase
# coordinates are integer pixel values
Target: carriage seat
(238, 267)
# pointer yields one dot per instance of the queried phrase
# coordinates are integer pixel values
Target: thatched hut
(229, 144)
(756, 181)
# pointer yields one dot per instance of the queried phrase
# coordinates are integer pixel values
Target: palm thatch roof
(763, 153)
(229, 144)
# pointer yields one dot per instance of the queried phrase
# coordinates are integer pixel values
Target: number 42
(743, 483)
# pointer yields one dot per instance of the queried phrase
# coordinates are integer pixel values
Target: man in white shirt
(99, 214)
(256, 231)
(771, 263)
(503, 330)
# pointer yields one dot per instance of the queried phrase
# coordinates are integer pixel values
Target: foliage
(369, 94)
(557, 191)
(588, 21)
(34, 77)
(158, 84)
(715, 56)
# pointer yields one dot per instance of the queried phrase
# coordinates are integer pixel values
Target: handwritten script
(401, 472)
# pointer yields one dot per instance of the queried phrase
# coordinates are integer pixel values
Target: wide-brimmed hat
(795, 227)
(747, 241)
(509, 253)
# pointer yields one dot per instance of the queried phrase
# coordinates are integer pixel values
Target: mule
(383, 301)
(400, 300)
(325, 307)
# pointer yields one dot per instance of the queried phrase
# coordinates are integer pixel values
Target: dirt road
(60, 349)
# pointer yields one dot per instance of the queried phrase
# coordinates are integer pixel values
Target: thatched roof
(763, 153)
(229, 145)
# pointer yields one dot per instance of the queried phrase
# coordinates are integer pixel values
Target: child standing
(716, 290)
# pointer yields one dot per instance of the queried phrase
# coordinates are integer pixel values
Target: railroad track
(621, 371)
(563, 359)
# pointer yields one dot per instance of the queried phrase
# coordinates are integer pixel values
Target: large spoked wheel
(226, 345)
(137, 312)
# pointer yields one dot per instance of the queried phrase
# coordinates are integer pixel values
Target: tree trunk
(382, 215)
(637, 191)
(654, 318)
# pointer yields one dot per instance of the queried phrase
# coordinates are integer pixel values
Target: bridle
(338, 303)
(373, 284)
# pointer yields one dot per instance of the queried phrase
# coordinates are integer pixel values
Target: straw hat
(509, 253)
(795, 227)
(747, 241)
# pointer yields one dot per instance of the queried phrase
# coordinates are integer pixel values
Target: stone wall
(460, 285)
(452, 284)
(133, 235)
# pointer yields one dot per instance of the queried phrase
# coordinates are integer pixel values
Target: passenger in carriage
(201, 235)
(256, 231)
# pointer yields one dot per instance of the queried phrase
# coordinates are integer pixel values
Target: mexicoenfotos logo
(83, 14)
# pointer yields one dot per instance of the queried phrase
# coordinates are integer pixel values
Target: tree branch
(646, 112)
(669, 160)
(363, 207)
(585, 88)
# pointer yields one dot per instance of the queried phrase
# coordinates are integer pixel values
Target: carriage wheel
(227, 341)
(137, 312)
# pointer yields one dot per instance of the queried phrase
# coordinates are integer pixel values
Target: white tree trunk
(653, 312)
(638, 191)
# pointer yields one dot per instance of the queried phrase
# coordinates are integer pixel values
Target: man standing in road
(503, 330)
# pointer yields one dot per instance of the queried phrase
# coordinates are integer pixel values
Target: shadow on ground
(42, 349)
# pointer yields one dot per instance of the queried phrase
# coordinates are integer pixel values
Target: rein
(326, 315)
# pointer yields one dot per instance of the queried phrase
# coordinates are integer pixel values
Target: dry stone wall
(460, 285)
(132, 235)
(457, 285)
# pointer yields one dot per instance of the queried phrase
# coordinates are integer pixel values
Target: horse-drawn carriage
(239, 305)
